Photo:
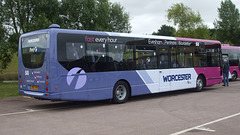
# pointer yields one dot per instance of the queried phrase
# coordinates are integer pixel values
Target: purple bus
(232, 53)
(79, 65)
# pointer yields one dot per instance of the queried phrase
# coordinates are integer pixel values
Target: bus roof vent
(54, 26)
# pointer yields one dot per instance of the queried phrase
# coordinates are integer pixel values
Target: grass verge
(11, 73)
(8, 89)
(6, 76)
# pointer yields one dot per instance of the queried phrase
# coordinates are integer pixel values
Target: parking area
(215, 111)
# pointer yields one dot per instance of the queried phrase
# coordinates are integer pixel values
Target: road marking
(205, 124)
(205, 129)
(23, 112)
(31, 111)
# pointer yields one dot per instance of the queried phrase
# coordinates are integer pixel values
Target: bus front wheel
(200, 83)
(120, 92)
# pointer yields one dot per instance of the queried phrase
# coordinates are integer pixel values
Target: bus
(232, 54)
(81, 65)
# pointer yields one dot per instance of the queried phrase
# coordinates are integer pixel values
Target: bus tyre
(234, 76)
(120, 92)
(199, 84)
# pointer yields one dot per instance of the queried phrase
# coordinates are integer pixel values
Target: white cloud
(147, 16)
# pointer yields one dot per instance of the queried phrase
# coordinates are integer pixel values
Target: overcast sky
(148, 16)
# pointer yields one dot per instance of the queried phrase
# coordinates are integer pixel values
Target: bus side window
(213, 57)
(127, 63)
(146, 57)
(174, 62)
(200, 56)
(97, 59)
(115, 56)
(163, 58)
(184, 56)
(75, 55)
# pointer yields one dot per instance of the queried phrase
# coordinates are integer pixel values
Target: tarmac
(214, 111)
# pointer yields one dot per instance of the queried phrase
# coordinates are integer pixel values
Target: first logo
(80, 74)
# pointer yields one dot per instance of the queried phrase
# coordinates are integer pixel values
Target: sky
(148, 16)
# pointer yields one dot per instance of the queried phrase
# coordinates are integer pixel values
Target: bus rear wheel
(234, 76)
(200, 83)
(120, 92)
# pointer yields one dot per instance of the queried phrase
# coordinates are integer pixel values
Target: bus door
(164, 84)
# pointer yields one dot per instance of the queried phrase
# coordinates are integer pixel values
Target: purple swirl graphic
(82, 79)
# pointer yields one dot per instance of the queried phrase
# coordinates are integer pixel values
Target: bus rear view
(33, 78)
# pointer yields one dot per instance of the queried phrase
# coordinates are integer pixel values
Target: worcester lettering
(179, 77)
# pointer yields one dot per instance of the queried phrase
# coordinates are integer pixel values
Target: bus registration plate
(34, 87)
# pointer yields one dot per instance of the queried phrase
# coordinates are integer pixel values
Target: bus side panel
(68, 85)
(168, 79)
(182, 78)
(100, 85)
(97, 85)
(150, 78)
(212, 74)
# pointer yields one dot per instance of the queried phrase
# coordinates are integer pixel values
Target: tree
(72, 13)
(21, 16)
(5, 52)
(100, 15)
(119, 20)
(165, 30)
(5, 55)
(189, 23)
(213, 33)
(228, 25)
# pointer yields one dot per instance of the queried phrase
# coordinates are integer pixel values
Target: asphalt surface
(215, 111)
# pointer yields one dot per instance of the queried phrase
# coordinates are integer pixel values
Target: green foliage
(8, 89)
(13, 65)
(228, 25)
(189, 23)
(100, 15)
(21, 16)
(165, 31)
(11, 71)
(5, 56)
(27, 15)
(5, 53)
(183, 16)
(119, 21)
(201, 32)
(9, 76)
(213, 34)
